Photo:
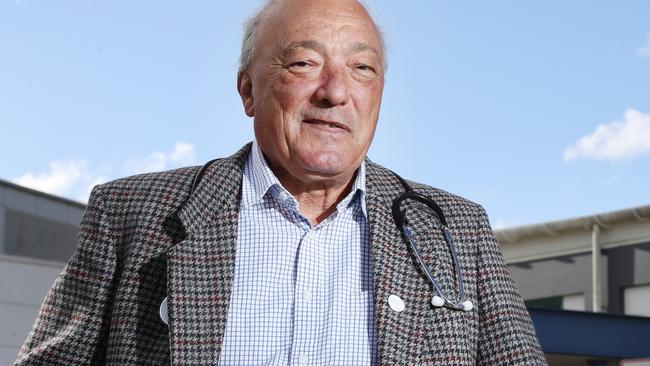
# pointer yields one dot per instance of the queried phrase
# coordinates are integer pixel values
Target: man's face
(314, 88)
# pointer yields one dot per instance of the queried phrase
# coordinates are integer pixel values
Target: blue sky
(537, 110)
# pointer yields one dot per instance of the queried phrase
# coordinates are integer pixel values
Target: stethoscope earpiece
(468, 305)
(437, 301)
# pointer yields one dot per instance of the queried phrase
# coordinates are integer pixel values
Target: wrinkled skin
(314, 90)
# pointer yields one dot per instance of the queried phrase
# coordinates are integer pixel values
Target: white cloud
(182, 154)
(616, 140)
(74, 179)
(156, 161)
(644, 51)
(60, 179)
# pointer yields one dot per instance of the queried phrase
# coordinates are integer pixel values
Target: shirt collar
(258, 177)
(357, 192)
(259, 181)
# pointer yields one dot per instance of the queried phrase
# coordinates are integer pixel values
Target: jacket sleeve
(72, 325)
(506, 332)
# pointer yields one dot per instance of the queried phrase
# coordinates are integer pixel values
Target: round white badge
(396, 303)
(163, 312)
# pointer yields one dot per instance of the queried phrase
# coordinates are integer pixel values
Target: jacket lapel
(384, 236)
(200, 268)
(399, 334)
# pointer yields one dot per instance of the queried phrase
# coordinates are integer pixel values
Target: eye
(299, 64)
(300, 67)
(365, 70)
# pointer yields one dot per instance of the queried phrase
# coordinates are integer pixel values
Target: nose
(334, 89)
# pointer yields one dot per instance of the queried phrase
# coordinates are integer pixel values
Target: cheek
(367, 105)
(281, 101)
(277, 115)
(295, 90)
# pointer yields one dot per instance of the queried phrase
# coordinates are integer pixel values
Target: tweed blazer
(144, 238)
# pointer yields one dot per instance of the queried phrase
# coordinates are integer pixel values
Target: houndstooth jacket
(145, 238)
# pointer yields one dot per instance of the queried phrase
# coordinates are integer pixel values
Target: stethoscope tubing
(448, 302)
(441, 298)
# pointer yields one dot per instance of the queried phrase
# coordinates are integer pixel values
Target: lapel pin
(164, 315)
(396, 303)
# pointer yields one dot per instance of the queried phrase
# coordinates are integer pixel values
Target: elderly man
(287, 252)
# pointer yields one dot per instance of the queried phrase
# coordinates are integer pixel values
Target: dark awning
(592, 334)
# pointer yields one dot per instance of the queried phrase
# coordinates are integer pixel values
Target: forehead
(339, 21)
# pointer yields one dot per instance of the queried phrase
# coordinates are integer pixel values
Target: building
(599, 264)
(38, 235)
(564, 269)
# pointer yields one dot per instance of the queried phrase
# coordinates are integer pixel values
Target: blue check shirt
(301, 295)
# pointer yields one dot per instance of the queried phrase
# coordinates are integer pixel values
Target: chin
(330, 164)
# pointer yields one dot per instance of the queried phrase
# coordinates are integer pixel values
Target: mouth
(330, 124)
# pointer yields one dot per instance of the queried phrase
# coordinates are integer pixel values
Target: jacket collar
(219, 189)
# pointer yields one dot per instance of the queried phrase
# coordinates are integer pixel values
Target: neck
(317, 196)
(318, 200)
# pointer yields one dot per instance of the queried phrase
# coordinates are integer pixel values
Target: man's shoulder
(149, 188)
(445, 196)
(449, 202)
(169, 187)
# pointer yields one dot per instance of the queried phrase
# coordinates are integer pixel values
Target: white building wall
(24, 283)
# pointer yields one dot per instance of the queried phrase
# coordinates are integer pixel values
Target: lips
(330, 124)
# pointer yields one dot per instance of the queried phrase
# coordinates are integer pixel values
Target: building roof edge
(53, 197)
(554, 228)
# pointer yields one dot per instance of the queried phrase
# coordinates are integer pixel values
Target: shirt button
(307, 295)
(304, 359)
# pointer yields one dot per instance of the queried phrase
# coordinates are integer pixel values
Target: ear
(245, 88)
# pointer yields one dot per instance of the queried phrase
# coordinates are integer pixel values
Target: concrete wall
(37, 225)
(2, 229)
(563, 275)
(23, 285)
(37, 235)
(574, 241)
(624, 266)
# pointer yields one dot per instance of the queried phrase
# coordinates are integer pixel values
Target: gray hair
(252, 24)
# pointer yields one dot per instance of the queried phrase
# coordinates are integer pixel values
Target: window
(574, 302)
(566, 302)
(636, 300)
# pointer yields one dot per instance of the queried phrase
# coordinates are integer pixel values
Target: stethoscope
(440, 299)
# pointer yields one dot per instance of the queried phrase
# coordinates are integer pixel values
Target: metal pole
(595, 270)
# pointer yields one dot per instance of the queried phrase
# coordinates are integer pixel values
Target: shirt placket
(308, 312)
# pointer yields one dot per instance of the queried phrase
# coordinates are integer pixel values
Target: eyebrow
(362, 47)
(286, 51)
